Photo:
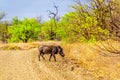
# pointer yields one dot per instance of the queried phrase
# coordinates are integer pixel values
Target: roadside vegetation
(92, 21)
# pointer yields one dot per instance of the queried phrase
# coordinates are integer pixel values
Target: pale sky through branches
(33, 8)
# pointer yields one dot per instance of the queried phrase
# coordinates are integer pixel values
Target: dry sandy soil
(24, 65)
(82, 62)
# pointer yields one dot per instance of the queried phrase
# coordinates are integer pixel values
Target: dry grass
(17, 46)
(25, 46)
(87, 56)
(101, 64)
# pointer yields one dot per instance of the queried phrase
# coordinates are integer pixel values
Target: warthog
(52, 50)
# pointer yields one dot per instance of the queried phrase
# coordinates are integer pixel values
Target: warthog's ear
(59, 48)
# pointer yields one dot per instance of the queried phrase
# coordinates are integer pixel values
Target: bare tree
(107, 13)
(39, 19)
(54, 16)
(2, 14)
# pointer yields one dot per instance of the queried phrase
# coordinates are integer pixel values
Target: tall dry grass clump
(100, 60)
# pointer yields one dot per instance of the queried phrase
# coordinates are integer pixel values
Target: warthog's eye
(63, 55)
(60, 50)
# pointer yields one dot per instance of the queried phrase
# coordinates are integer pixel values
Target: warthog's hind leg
(39, 57)
(41, 54)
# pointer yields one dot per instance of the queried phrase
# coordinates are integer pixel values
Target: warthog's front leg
(50, 57)
(54, 57)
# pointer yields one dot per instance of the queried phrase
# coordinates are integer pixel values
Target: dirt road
(24, 65)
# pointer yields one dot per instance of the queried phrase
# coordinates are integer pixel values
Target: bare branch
(2, 14)
(108, 48)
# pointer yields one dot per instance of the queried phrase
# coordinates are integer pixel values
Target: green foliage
(61, 31)
(25, 30)
(94, 21)
(49, 31)
(82, 26)
(4, 31)
(1, 30)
